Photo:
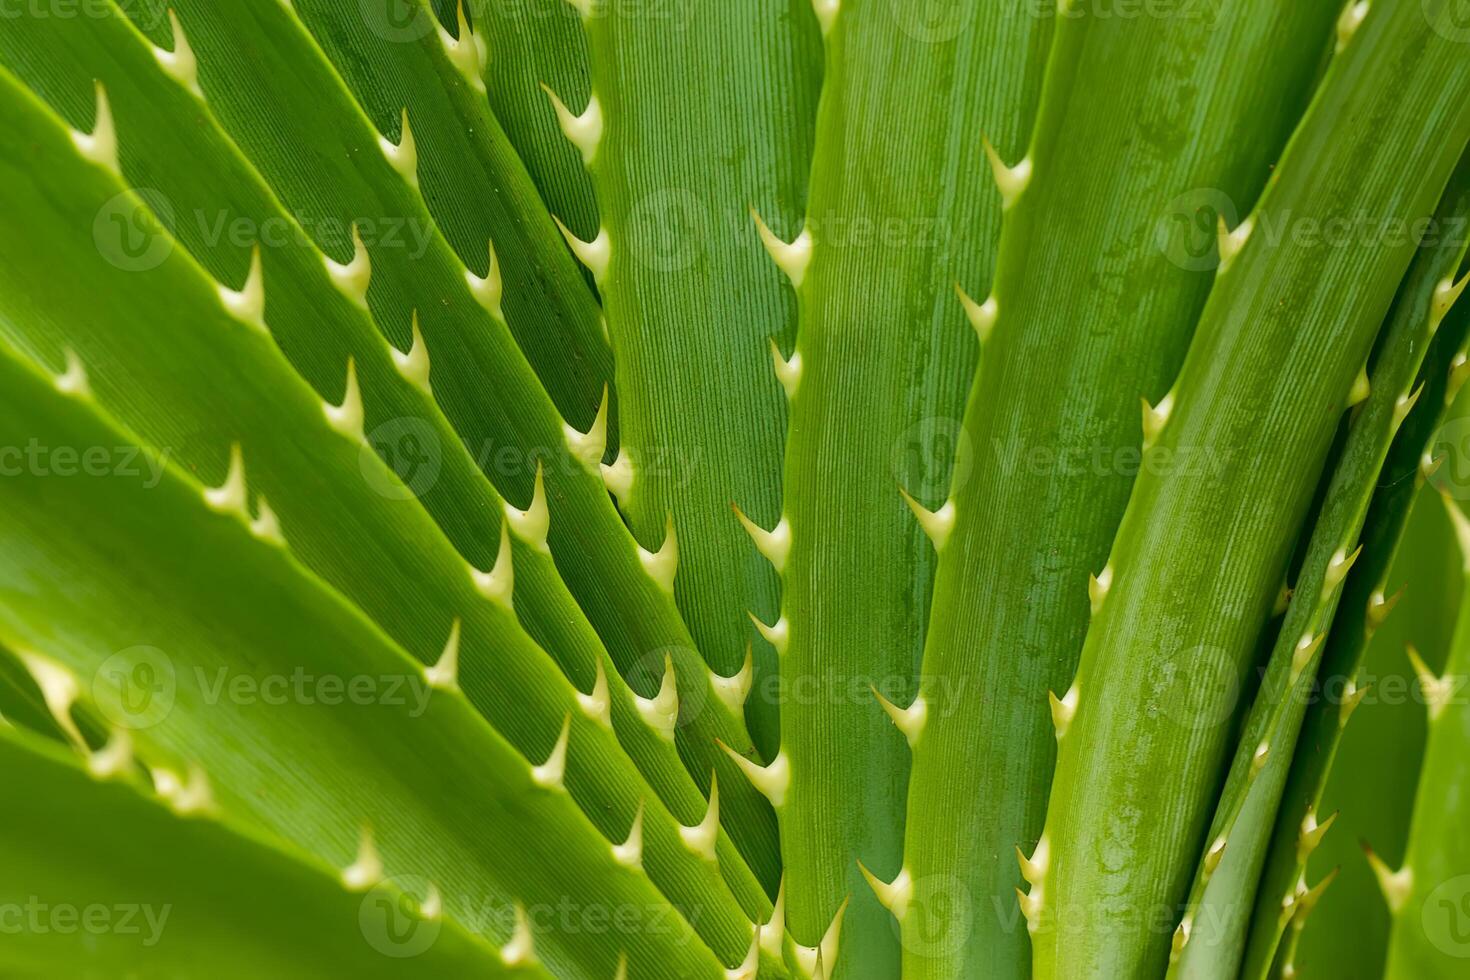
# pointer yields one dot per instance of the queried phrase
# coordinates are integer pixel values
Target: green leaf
(103, 881)
(306, 721)
(1105, 261)
(1198, 564)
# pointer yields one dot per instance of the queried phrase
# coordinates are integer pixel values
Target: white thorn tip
(346, 418)
(464, 51)
(598, 704)
(1033, 869)
(1312, 833)
(185, 797)
(1302, 654)
(1361, 389)
(982, 316)
(588, 447)
(73, 379)
(100, 145)
(748, 968)
(248, 303)
(444, 675)
(772, 780)
(1214, 854)
(1012, 181)
(1155, 417)
(114, 758)
(1063, 709)
(59, 689)
(1446, 294)
(773, 931)
(788, 371)
(432, 906)
(596, 255)
(521, 950)
(791, 257)
(229, 496)
(532, 524)
(1231, 242)
(498, 584)
(489, 291)
(1259, 757)
(402, 156)
(1437, 690)
(583, 131)
(662, 565)
(811, 958)
(367, 870)
(180, 63)
(703, 836)
(266, 526)
(937, 524)
(1396, 885)
(352, 279)
(630, 853)
(777, 635)
(826, 11)
(661, 712)
(893, 895)
(617, 476)
(1338, 567)
(733, 690)
(774, 545)
(1349, 22)
(1097, 587)
(909, 720)
(550, 773)
(413, 365)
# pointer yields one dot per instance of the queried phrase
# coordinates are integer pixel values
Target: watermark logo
(399, 21)
(37, 917)
(133, 230)
(390, 919)
(410, 448)
(1451, 447)
(942, 915)
(932, 21)
(135, 688)
(1196, 690)
(667, 229)
(1188, 232)
(1450, 19)
(932, 457)
(1446, 917)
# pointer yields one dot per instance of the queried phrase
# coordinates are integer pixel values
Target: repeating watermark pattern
(39, 459)
(1446, 917)
(1197, 690)
(303, 687)
(1099, 459)
(38, 917)
(944, 916)
(399, 21)
(1451, 447)
(138, 687)
(1450, 20)
(410, 448)
(932, 458)
(1187, 232)
(390, 920)
(669, 229)
(146, 15)
(133, 230)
